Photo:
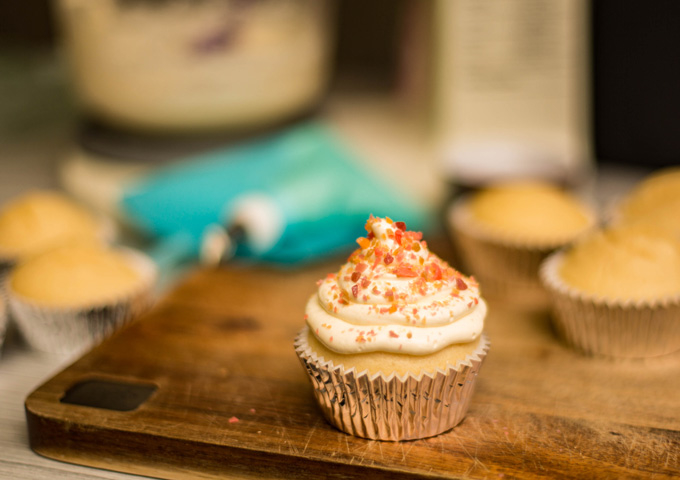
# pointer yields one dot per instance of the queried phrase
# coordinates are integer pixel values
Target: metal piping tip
(219, 244)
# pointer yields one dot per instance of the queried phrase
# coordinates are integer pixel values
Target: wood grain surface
(233, 401)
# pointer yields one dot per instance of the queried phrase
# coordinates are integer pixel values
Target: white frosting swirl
(394, 295)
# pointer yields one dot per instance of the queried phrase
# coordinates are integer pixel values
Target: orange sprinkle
(363, 242)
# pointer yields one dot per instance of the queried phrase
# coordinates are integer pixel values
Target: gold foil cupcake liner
(74, 330)
(596, 326)
(390, 407)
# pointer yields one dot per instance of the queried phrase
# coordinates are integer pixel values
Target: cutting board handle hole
(108, 394)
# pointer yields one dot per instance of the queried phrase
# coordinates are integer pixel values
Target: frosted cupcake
(504, 232)
(393, 341)
(617, 292)
(71, 297)
(655, 201)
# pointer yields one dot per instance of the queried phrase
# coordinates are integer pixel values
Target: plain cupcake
(394, 340)
(41, 219)
(503, 232)
(617, 292)
(654, 201)
(71, 297)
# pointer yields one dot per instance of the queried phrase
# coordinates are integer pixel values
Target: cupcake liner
(391, 407)
(3, 320)
(507, 269)
(613, 328)
(74, 330)
(5, 268)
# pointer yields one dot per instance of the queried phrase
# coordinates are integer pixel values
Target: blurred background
(167, 113)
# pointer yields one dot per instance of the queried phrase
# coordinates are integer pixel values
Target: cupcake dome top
(38, 220)
(624, 263)
(75, 275)
(655, 201)
(530, 211)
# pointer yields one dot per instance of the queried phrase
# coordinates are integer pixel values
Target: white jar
(192, 65)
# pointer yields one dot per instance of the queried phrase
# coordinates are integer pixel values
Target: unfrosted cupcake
(504, 232)
(38, 220)
(73, 296)
(393, 341)
(617, 292)
(655, 201)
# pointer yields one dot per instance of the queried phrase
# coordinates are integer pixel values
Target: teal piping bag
(293, 197)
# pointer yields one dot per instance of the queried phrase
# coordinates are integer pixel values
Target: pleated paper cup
(5, 268)
(508, 268)
(3, 320)
(76, 329)
(391, 407)
(613, 328)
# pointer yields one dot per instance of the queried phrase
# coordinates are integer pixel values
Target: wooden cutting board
(223, 395)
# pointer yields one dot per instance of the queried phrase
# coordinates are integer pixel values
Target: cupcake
(71, 297)
(38, 220)
(504, 232)
(393, 341)
(617, 292)
(655, 201)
